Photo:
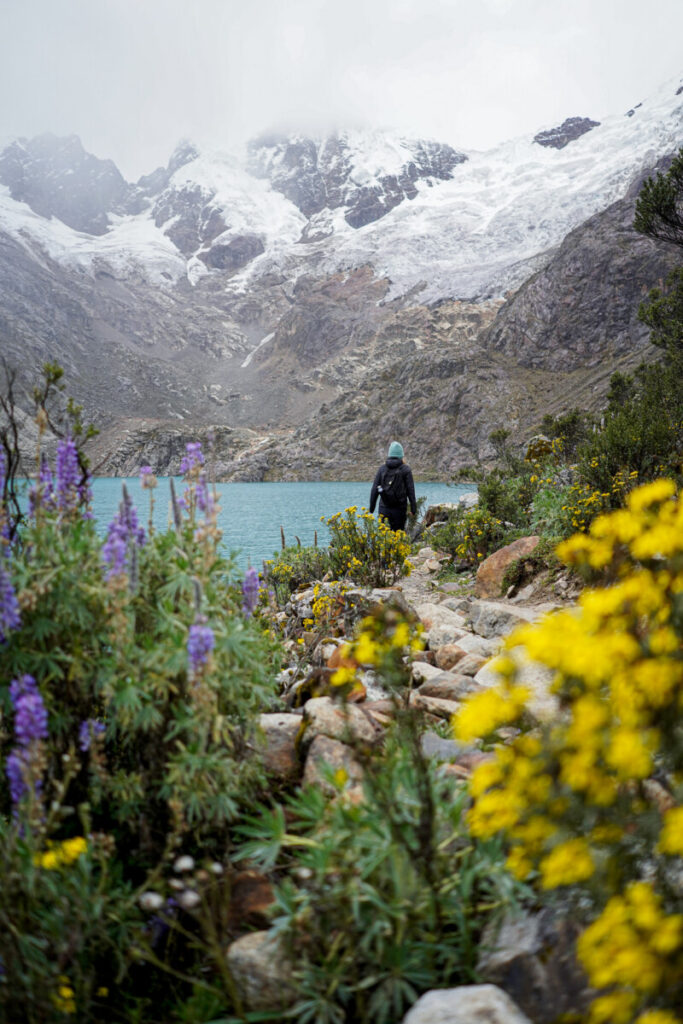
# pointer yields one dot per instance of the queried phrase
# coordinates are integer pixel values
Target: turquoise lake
(251, 514)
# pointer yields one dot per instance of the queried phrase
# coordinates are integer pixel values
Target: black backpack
(392, 487)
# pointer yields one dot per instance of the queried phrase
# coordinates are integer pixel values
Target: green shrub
(132, 678)
(470, 535)
(592, 804)
(292, 568)
(366, 550)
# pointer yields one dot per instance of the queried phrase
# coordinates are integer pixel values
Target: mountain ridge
(216, 301)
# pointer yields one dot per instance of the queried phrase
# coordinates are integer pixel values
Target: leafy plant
(292, 568)
(366, 550)
(592, 804)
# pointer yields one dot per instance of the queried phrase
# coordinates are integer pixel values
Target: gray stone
(494, 618)
(434, 705)
(468, 500)
(346, 722)
(448, 656)
(543, 705)
(441, 749)
(450, 686)
(261, 972)
(470, 664)
(474, 644)
(532, 957)
(468, 1004)
(325, 754)
(279, 750)
(423, 671)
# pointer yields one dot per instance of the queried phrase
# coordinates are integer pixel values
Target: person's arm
(374, 492)
(410, 489)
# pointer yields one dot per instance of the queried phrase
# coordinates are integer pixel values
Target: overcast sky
(132, 77)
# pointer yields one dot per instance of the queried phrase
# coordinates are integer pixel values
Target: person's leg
(395, 517)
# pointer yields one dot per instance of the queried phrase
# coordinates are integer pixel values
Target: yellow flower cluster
(479, 532)
(61, 854)
(634, 945)
(64, 998)
(570, 800)
(365, 549)
(381, 644)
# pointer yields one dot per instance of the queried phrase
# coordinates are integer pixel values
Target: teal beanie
(395, 450)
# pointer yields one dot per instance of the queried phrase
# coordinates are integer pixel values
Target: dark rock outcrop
(570, 129)
(320, 175)
(56, 177)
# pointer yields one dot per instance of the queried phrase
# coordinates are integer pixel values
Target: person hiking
(393, 485)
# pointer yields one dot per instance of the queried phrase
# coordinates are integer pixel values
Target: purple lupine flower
(30, 728)
(250, 592)
(30, 715)
(44, 492)
(203, 496)
(115, 549)
(200, 643)
(129, 517)
(10, 617)
(192, 458)
(89, 731)
(123, 532)
(15, 769)
(68, 475)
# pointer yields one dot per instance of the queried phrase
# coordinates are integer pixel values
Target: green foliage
(107, 632)
(64, 929)
(384, 897)
(571, 429)
(659, 204)
(292, 568)
(366, 550)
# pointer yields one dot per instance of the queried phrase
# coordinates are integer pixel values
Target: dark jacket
(407, 474)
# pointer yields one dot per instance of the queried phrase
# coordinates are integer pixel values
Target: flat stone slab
(434, 705)
(495, 618)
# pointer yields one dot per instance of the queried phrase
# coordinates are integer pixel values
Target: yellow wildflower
(568, 863)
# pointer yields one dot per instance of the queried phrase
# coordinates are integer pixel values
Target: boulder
(432, 613)
(468, 500)
(532, 957)
(326, 754)
(478, 645)
(346, 722)
(261, 972)
(543, 704)
(280, 757)
(449, 655)
(450, 686)
(470, 664)
(497, 618)
(423, 671)
(468, 1004)
(436, 706)
(491, 571)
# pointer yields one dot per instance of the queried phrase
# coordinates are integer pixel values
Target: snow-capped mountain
(286, 265)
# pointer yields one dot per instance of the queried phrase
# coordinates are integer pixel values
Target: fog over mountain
(310, 297)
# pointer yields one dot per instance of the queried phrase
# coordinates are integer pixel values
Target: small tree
(659, 207)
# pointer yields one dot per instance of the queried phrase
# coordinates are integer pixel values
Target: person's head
(395, 450)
